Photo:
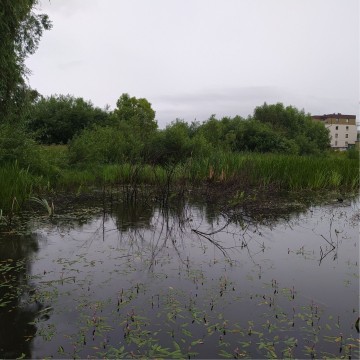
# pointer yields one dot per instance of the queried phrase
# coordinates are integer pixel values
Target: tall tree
(21, 29)
(138, 114)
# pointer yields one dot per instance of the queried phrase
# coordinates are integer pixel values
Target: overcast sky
(194, 58)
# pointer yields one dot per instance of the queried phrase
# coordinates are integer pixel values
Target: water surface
(189, 282)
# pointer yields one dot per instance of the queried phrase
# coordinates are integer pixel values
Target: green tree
(252, 135)
(21, 29)
(289, 120)
(138, 114)
(171, 145)
(176, 143)
(212, 131)
(295, 125)
(56, 119)
(317, 134)
(15, 146)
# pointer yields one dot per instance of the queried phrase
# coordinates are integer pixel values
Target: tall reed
(287, 172)
(16, 186)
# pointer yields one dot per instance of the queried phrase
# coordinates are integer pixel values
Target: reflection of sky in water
(96, 262)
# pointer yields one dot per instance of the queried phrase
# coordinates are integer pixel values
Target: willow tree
(21, 28)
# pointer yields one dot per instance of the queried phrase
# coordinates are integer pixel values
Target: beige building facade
(343, 130)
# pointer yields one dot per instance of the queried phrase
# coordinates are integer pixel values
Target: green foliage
(105, 144)
(273, 129)
(288, 120)
(57, 119)
(56, 155)
(255, 136)
(177, 143)
(138, 114)
(309, 136)
(123, 138)
(171, 145)
(353, 153)
(15, 145)
(277, 171)
(21, 30)
(16, 187)
(317, 135)
(212, 131)
(246, 170)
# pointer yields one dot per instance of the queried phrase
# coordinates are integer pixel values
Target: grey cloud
(201, 105)
(241, 101)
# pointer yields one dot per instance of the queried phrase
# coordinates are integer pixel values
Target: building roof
(333, 116)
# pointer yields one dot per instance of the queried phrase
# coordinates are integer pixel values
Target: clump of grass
(72, 178)
(111, 173)
(16, 187)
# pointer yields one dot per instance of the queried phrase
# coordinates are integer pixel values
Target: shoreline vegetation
(230, 179)
(64, 144)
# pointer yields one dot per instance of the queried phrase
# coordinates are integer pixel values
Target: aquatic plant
(44, 203)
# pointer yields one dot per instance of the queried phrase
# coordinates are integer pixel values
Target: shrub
(108, 144)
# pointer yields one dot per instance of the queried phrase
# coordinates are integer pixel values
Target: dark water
(186, 282)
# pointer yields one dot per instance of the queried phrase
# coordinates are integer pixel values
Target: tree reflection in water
(16, 313)
(139, 241)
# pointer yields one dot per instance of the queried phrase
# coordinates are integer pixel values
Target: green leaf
(176, 345)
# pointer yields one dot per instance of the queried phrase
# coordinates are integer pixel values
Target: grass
(284, 172)
(279, 171)
(16, 186)
(241, 171)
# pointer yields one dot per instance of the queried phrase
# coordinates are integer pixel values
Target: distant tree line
(130, 132)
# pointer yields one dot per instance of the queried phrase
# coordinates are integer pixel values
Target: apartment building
(343, 130)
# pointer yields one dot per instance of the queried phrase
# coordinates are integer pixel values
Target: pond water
(185, 282)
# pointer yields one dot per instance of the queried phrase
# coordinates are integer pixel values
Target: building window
(347, 128)
(336, 136)
(346, 135)
(346, 143)
(347, 120)
(335, 143)
(336, 128)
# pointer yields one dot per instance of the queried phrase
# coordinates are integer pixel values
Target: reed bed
(280, 171)
(286, 172)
